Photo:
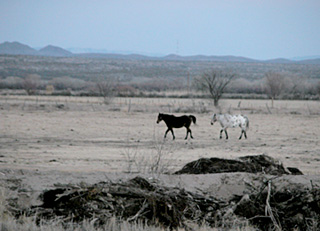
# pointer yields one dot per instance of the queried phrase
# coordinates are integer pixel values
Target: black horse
(177, 122)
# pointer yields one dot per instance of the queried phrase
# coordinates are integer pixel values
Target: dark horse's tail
(193, 118)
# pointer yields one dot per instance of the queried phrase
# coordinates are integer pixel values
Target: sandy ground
(50, 140)
(85, 135)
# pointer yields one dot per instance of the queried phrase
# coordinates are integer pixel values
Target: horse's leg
(221, 133)
(172, 134)
(225, 131)
(241, 134)
(187, 133)
(165, 134)
(190, 133)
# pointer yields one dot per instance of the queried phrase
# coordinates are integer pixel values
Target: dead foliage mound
(272, 206)
(250, 164)
(134, 200)
(282, 209)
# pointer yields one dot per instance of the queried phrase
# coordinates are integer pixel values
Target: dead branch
(268, 209)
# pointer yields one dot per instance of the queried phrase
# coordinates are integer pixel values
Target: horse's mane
(163, 114)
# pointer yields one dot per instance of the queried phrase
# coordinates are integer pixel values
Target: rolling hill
(16, 48)
(54, 51)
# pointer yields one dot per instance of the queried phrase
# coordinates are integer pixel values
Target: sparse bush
(245, 86)
(106, 89)
(31, 83)
(274, 84)
(63, 83)
(196, 107)
(11, 82)
(159, 85)
(49, 89)
(296, 86)
(318, 88)
(158, 161)
(125, 90)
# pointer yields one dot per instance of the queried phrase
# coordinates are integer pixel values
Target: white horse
(231, 121)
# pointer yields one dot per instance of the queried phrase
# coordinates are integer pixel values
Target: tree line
(213, 84)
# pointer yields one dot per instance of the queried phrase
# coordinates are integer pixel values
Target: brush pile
(282, 208)
(138, 200)
(250, 164)
(134, 200)
(270, 202)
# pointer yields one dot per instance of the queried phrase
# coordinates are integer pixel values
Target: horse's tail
(247, 122)
(193, 118)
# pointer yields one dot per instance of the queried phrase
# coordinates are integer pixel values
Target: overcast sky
(260, 29)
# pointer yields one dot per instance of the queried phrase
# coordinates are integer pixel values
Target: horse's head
(159, 118)
(213, 119)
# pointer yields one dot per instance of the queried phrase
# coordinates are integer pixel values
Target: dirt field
(83, 135)
(49, 141)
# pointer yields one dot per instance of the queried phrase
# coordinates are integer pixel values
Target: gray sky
(260, 29)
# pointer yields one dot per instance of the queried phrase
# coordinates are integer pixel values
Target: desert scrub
(160, 160)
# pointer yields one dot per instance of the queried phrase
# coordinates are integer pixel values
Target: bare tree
(105, 89)
(214, 82)
(274, 85)
(30, 83)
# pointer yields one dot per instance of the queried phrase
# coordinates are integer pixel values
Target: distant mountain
(278, 61)
(116, 56)
(16, 48)
(54, 51)
(228, 58)
(76, 50)
(174, 57)
(105, 51)
(302, 58)
(171, 57)
(310, 61)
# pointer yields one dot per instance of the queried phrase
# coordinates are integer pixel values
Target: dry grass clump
(156, 162)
